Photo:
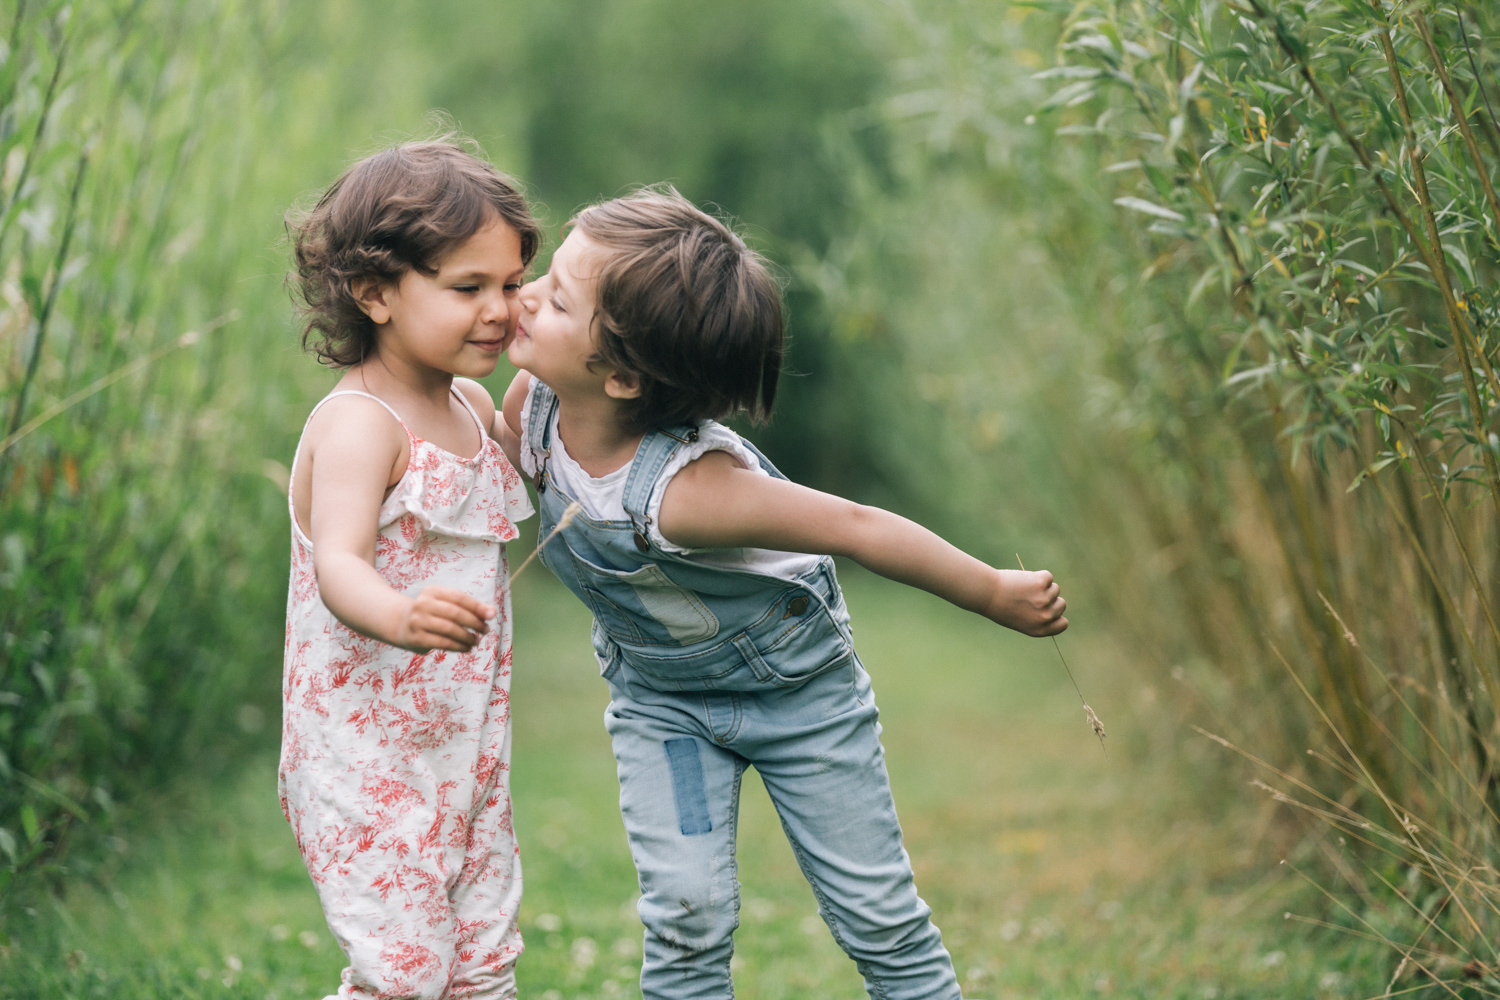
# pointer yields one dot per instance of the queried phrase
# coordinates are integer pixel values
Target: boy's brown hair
(685, 308)
(397, 210)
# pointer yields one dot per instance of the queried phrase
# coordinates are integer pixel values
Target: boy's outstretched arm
(715, 503)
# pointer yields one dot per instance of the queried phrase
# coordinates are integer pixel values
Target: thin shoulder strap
(651, 457)
(356, 392)
(342, 392)
(484, 432)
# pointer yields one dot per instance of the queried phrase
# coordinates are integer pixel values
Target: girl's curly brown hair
(401, 209)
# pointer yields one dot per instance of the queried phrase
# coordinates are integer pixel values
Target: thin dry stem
(1089, 715)
(573, 510)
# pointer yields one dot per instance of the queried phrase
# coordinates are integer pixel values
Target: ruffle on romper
(461, 498)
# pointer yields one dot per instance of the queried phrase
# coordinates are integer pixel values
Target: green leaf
(1150, 208)
(8, 844)
(29, 824)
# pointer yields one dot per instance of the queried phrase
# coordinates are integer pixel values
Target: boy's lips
(497, 344)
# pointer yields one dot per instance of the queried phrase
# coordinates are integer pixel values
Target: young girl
(718, 621)
(396, 726)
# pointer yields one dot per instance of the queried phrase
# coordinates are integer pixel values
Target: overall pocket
(801, 638)
(644, 607)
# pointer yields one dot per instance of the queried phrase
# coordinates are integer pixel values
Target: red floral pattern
(395, 767)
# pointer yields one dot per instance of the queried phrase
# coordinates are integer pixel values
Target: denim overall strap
(651, 457)
(765, 463)
(539, 423)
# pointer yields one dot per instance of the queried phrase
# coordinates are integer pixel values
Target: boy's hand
(443, 618)
(1027, 602)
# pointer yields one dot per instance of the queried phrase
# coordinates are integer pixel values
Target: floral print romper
(395, 766)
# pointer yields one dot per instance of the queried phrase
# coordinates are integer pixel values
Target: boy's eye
(466, 288)
(514, 286)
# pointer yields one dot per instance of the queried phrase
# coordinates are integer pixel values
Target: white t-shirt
(603, 499)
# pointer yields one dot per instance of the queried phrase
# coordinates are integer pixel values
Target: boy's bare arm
(507, 428)
(357, 446)
(715, 503)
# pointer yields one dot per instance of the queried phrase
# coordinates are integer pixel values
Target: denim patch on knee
(687, 786)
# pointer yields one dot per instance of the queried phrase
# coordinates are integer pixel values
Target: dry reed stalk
(573, 510)
(1089, 714)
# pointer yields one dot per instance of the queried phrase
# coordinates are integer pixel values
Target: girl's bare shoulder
(356, 422)
(478, 397)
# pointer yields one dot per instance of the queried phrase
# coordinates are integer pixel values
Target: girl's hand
(442, 618)
(1028, 602)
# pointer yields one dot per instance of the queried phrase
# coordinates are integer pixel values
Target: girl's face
(554, 339)
(459, 319)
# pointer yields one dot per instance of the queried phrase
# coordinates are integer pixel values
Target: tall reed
(137, 615)
(1238, 289)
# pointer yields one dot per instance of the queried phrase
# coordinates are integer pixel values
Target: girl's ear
(370, 294)
(620, 385)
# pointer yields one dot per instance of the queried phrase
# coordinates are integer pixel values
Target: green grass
(1055, 871)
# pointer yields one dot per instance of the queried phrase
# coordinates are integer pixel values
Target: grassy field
(1055, 871)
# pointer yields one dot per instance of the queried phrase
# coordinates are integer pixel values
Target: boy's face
(459, 319)
(554, 339)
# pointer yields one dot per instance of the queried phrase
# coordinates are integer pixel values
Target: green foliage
(119, 505)
(1250, 373)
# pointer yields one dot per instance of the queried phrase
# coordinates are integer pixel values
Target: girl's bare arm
(353, 446)
(715, 503)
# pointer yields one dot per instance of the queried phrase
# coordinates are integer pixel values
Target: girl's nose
(497, 308)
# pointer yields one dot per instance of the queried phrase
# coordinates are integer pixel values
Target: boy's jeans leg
(828, 781)
(679, 797)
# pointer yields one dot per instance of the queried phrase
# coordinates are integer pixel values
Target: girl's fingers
(440, 626)
(461, 616)
(460, 599)
(473, 605)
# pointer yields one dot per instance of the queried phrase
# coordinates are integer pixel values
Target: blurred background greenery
(1135, 288)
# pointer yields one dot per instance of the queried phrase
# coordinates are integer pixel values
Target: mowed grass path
(1054, 871)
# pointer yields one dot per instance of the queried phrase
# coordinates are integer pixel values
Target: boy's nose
(528, 296)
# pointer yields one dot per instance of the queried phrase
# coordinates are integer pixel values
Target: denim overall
(711, 670)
